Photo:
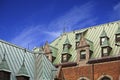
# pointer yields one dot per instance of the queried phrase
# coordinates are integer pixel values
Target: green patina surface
(105, 43)
(4, 66)
(92, 35)
(118, 30)
(103, 34)
(23, 71)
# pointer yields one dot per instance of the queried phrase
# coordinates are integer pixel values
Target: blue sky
(33, 22)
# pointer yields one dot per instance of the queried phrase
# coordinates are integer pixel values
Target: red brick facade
(93, 71)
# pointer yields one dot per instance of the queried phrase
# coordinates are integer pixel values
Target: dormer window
(117, 38)
(103, 36)
(106, 49)
(65, 53)
(82, 54)
(117, 34)
(102, 40)
(77, 36)
(77, 43)
(104, 52)
(64, 58)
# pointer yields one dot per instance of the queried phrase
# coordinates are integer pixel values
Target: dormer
(50, 52)
(4, 70)
(103, 36)
(65, 53)
(22, 74)
(106, 49)
(78, 36)
(117, 35)
(84, 49)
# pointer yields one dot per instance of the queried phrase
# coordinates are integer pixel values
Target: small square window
(64, 57)
(83, 54)
(118, 36)
(117, 39)
(102, 40)
(77, 37)
(105, 50)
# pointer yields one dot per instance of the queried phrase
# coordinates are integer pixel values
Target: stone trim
(104, 76)
(83, 78)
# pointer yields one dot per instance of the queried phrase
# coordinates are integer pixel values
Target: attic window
(106, 51)
(77, 43)
(117, 39)
(102, 40)
(83, 54)
(64, 58)
(77, 37)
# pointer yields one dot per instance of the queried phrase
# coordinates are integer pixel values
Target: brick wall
(99, 69)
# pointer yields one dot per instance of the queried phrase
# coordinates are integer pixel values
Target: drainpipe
(93, 71)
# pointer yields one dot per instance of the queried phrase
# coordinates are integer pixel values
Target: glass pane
(118, 36)
(105, 78)
(104, 50)
(64, 57)
(103, 39)
(82, 54)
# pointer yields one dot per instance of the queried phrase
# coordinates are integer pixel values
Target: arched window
(83, 79)
(105, 78)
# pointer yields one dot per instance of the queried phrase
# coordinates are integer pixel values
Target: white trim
(83, 78)
(104, 76)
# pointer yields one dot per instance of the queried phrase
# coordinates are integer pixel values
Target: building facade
(87, 54)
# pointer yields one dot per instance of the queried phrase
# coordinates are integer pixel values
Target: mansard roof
(103, 34)
(34, 62)
(23, 71)
(67, 40)
(4, 65)
(92, 34)
(118, 30)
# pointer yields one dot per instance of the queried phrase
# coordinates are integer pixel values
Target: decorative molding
(83, 78)
(102, 76)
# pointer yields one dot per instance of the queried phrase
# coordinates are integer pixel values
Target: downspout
(93, 71)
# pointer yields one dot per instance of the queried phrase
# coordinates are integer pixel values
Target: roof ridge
(14, 45)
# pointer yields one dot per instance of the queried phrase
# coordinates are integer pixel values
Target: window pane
(118, 35)
(64, 57)
(82, 54)
(104, 50)
(103, 39)
(105, 78)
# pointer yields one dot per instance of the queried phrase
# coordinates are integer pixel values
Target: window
(83, 79)
(77, 43)
(117, 38)
(105, 78)
(64, 57)
(105, 50)
(102, 40)
(83, 54)
(77, 37)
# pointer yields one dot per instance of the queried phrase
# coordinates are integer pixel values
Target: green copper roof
(67, 40)
(54, 51)
(103, 34)
(4, 66)
(118, 30)
(91, 44)
(65, 50)
(93, 35)
(23, 71)
(105, 43)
